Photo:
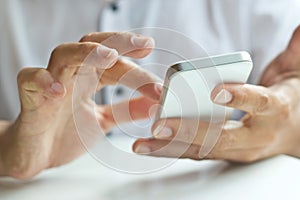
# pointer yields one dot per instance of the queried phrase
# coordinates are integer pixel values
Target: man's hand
(269, 128)
(45, 135)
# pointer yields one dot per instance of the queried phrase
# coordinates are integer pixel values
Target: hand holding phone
(188, 85)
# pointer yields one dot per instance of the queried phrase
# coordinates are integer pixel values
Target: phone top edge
(211, 61)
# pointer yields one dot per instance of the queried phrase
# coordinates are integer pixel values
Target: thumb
(286, 64)
(37, 85)
(294, 44)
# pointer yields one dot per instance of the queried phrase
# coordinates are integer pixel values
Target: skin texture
(44, 135)
(270, 126)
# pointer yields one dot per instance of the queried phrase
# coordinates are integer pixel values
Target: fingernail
(162, 132)
(153, 110)
(223, 97)
(142, 149)
(231, 124)
(57, 87)
(106, 52)
(142, 42)
(158, 88)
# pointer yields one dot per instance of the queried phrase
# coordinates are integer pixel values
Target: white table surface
(87, 179)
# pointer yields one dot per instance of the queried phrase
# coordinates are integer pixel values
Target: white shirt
(30, 29)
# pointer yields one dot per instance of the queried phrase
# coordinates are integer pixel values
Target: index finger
(84, 59)
(126, 72)
(129, 74)
(126, 43)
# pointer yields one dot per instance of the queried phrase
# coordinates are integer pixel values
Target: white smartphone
(188, 86)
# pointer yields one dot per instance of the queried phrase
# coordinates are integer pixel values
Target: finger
(236, 143)
(35, 85)
(129, 74)
(228, 143)
(77, 66)
(184, 130)
(126, 72)
(127, 111)
(272, 72)
(286, 64)
(295, 41)
(231, 135)
(201, 133)
(88, 60)
(126, 43)
(164, 148)
(169, 149)
(67, 59)
(280, 68)
(256, 100)
(141, 108)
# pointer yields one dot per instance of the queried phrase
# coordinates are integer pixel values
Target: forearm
(4, 127)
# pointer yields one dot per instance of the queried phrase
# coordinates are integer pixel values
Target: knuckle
(57, 50)
(21, 75)
(262, 102)
(87, 37)
(85, 48)
(115, 38)
(39, 77)
(32, 79)
(26, 77)
(270, 139)
(87, 45)
(239, 98)
(98, 37)
(71, 53)
(65, 48)
(267, 140)
(284, 109)
(225, 141)
(191, 132)
(40, 74)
